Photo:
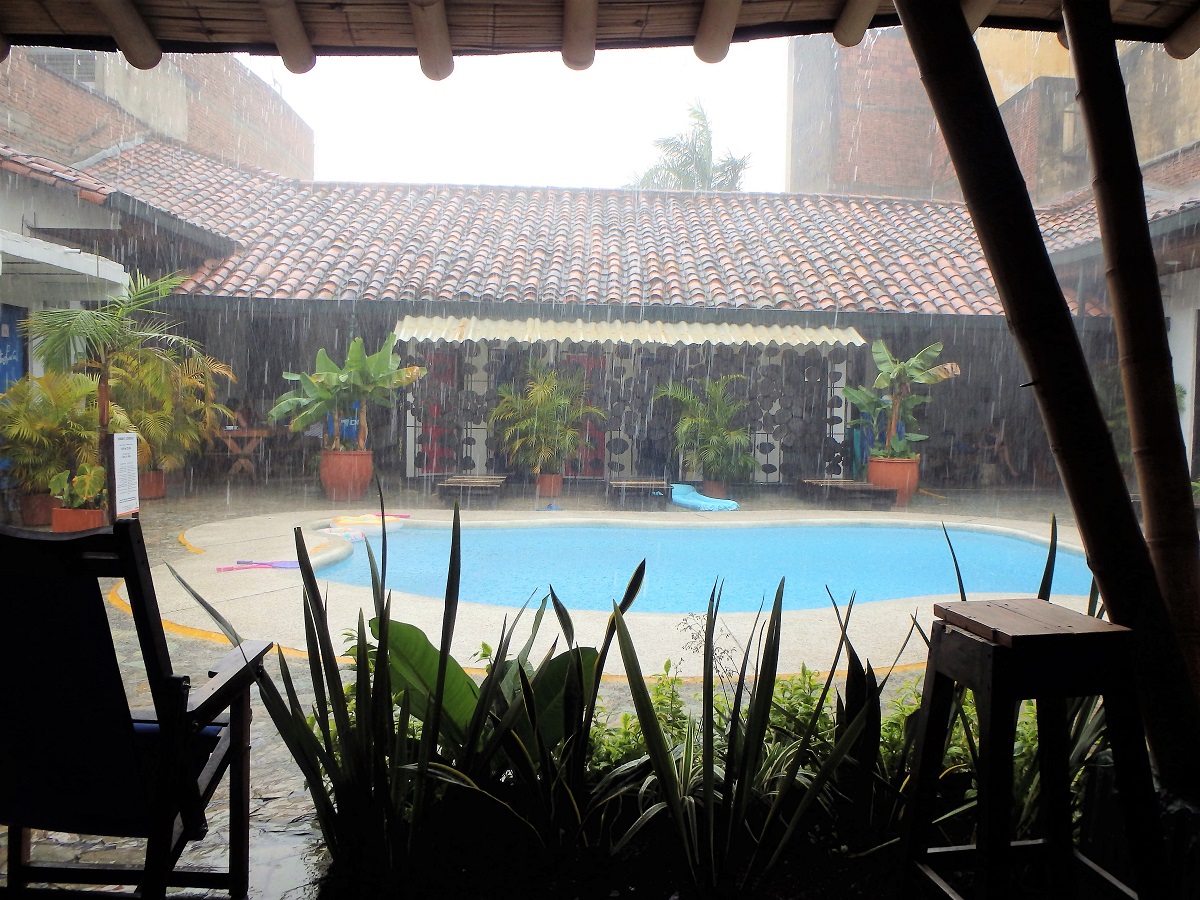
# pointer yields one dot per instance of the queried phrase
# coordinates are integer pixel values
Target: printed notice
(125, 474)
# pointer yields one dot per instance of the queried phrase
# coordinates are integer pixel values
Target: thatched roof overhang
(305, 28)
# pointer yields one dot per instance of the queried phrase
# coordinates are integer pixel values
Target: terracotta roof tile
(47, 171)
(318, 240)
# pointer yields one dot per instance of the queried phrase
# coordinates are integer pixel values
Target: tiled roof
(53, 173)
(1073, 221)
(93, 188)
(329, 241)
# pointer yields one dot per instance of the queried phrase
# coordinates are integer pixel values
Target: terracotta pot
(152, 484)
(901, 474)
(63, 520)
(714, 489)
(346, 474)
(36, 508)
(549, 485)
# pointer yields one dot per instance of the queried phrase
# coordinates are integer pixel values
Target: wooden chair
(73, 756)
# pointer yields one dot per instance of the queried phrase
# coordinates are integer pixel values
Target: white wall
(1181, 298)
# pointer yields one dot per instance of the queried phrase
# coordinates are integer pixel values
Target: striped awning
(456, 329)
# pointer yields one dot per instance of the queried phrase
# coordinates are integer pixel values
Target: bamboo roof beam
(1185, 39)
(433, 38)
(856, 18)
(579, 33)
(976, 11)
(853, 22)
(289, 34)
(1041, 323)
(718, 19)
(131, 33)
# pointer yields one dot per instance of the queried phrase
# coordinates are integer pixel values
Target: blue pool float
(686, 495)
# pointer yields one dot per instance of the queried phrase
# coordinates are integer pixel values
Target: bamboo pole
(718, 21)
(1037, 315)
(288, 32)
(130, 31)
(1159, 454)
(433, 38)
(579, 33)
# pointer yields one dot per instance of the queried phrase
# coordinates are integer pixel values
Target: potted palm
(47, 424)
(887, 419)
(170, 399)
(706, 437)
(541, 423)
(329, 392)
(84, 499)
(96, 338)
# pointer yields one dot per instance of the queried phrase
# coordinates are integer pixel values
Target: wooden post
(1159, 455)
(1037, 315)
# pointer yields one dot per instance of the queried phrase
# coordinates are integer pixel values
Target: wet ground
(286, 859)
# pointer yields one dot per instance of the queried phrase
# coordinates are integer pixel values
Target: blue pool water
(590, 566)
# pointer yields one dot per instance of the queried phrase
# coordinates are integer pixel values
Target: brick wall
(230, 113)
(886, 139)
(235, 115)
(1178, 168)
(48, 115)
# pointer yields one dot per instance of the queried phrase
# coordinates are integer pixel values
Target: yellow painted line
(215, 637)
(931, 494)
(190, 548)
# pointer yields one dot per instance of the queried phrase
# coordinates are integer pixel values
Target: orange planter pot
(36, 509)
(63, 520)
(346, 474)
(714, 489)
(152, 484)
(901, 474)
(549, 485)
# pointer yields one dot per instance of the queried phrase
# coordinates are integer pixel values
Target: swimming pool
(589, 566)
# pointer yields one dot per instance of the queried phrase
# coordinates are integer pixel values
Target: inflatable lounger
(686, 495)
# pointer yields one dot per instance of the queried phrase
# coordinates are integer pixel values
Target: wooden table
(654, 488)
(832, 490)
(242, 444)
(465, 485)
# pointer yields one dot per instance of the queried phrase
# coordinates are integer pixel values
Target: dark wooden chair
(73, 756)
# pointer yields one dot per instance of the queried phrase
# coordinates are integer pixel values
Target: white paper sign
(125, 474)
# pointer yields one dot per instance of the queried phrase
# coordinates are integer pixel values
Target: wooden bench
(843, 492)
(463, 486)
(647, 488)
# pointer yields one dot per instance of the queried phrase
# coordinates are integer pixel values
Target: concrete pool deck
(266, 603)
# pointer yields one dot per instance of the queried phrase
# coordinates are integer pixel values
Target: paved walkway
(221, 524)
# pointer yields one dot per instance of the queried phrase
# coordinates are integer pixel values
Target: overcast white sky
(529, 120)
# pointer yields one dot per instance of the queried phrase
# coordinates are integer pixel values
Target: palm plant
(47, 425)
(705, 434)
(93, 338)
(542, 421)
(686, 162)
(171, 401)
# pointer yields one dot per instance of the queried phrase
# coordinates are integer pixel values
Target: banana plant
(331, 390)
(889, 417)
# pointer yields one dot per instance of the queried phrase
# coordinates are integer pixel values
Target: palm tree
(92, 338)
(542, 421)
(686, 162)
(705, 434)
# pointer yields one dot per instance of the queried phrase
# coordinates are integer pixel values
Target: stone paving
(285, 847)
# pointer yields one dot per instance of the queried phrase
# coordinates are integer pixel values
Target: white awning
(456, 329)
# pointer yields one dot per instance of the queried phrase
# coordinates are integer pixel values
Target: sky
(529, 120)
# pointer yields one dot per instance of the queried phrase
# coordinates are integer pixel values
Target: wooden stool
(1006, 651)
